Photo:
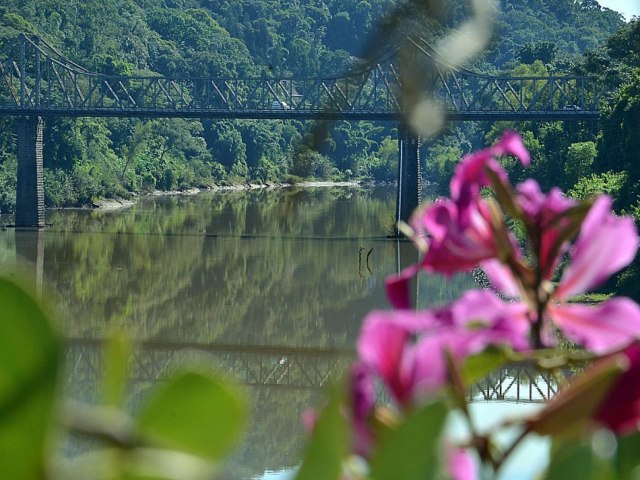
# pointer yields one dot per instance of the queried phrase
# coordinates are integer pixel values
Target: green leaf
(29, 361)
(476, 367)
(578, 459)
(329, 445)
(410, 451)
(627, 459)
(195, 413)
(116, 361)
(571, 460)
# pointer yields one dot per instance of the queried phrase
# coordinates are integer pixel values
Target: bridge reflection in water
(275, 366)
(515, 383)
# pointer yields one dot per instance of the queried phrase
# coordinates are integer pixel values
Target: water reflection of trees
(260, 267)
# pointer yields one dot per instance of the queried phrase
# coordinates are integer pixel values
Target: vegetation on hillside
(90, 158)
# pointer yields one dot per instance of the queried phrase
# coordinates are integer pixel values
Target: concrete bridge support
(30, 182)
(409, 175)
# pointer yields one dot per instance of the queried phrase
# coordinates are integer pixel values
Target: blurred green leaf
(571, 460)
(411, 451)
(195, 413)
(116, 360)
(329, 445)
(154, 464)
(578, 459)
(476, 367)
(627, 459)
(29, 361)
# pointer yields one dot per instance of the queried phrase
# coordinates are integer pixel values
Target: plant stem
(510, 449)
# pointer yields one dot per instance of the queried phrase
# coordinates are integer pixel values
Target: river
(270, 286)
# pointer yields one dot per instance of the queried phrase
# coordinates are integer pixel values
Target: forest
(90, 158)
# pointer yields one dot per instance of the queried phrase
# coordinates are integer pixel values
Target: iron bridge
(37, 80)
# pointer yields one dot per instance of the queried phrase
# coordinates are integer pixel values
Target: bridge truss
(281, 367)
(37, 80)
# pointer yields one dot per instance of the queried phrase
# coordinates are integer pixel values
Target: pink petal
(511, 144)
(601, 328)
(426, 366)
(309, 419)
(540, 208)
(501, 277)
(461, 236)
(620, 411)
(460, 464)
(470, 175)
(398, 287)
(439, 218)
(363, 392)
(486, 320)
(383, 345)
(606, 244)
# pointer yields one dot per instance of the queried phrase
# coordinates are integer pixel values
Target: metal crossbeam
(38, 80)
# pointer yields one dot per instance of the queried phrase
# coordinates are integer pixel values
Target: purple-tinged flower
(606, 243)
(544, 214)
(406, 348)
(470, 175)
(460, 230)
(461, 235)
(309, 418)
(620, 411)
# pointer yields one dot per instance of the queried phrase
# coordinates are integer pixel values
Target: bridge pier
(30, 181)
(409, 175)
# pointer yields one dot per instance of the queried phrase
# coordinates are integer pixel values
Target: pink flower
(544, 215)
(606, 243)
(406, 348)
(470, 175)
(460, 229)
(461, 235)
(620, 411)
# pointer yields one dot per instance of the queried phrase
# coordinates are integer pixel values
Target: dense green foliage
(90, 158)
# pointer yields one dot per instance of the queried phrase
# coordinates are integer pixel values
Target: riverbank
(120, 203)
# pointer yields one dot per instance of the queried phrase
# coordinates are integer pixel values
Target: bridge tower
(30, 182)
(409, 175)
